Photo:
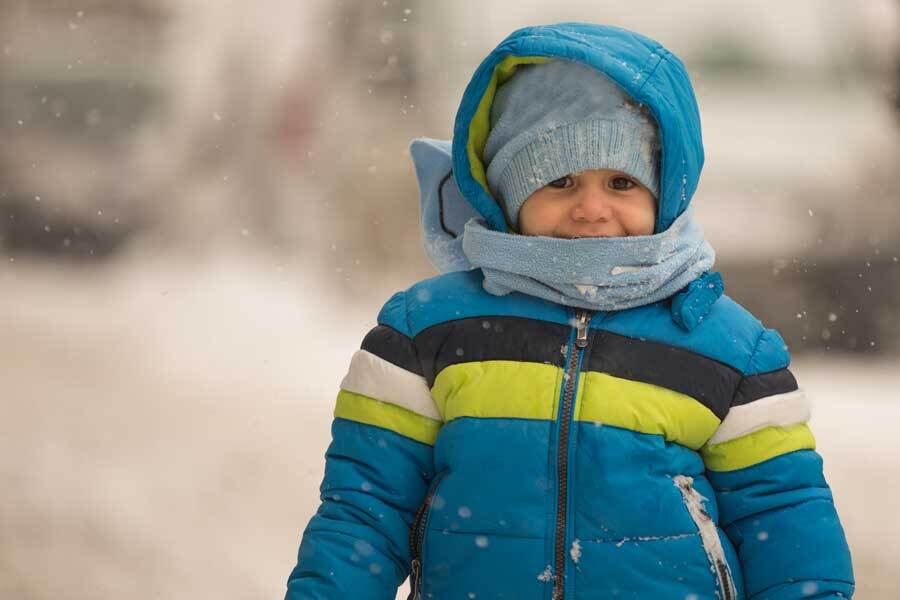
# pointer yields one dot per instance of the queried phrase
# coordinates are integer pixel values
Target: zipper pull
(581, 339)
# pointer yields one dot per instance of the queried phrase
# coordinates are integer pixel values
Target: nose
(591, 205)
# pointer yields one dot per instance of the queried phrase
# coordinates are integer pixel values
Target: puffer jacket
(512, 448)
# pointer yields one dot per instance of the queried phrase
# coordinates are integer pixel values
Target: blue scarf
(593, 273)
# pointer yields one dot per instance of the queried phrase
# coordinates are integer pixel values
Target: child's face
(594, 203)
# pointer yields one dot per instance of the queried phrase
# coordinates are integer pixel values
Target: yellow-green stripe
(757, 447)
(497, 388)
(645, 408)
(363, 409)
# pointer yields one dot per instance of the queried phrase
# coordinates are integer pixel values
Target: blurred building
(76, 85)
(181, 123)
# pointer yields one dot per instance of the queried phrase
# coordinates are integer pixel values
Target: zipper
(709, 536)
(417, 537)
(582, 320)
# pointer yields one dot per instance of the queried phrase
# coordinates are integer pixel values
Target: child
(573, 410)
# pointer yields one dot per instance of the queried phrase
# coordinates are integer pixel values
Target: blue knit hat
(561, 117)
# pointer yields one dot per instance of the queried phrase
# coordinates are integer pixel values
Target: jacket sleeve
(377, 470)
(774, 503)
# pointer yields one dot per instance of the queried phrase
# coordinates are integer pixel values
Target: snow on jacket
(512, 448)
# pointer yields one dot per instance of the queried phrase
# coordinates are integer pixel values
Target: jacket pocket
(417, 538)
(709, 536)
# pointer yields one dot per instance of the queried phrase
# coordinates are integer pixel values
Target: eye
(622, 183)
(562, 182)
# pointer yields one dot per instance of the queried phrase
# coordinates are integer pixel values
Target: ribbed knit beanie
(556, 118)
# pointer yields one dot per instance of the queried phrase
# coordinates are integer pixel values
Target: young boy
(573, 410)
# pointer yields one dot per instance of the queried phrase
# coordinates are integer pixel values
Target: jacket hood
(645, 70)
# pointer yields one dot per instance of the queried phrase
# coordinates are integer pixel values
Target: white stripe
(372, 376)
(779, 410)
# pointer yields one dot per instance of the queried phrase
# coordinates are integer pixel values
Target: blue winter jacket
(511, 448)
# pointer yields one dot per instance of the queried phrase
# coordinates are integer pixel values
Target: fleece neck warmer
(592, 273)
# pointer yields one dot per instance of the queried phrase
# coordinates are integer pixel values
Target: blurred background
(203, 205)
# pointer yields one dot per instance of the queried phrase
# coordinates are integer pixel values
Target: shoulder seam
(406, 315)
(755, 350)
(412, 338)
(747, 366)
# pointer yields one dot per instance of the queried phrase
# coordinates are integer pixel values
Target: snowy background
(203, 206)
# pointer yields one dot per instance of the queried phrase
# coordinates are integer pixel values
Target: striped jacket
(512, 448)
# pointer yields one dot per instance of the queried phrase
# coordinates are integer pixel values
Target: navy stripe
(754, 387)
(394, 347)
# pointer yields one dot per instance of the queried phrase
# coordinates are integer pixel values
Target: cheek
(644, 223)
(641, 219)
(537, 217)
